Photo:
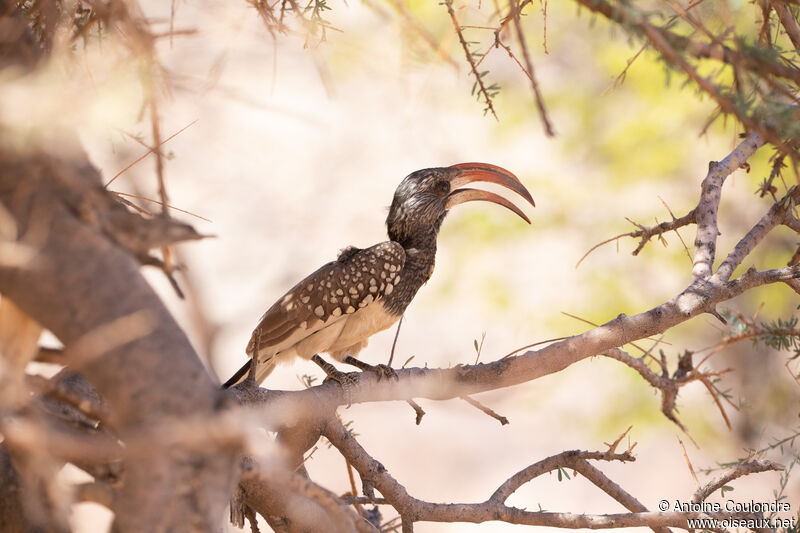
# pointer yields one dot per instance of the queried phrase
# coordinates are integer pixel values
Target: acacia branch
(278, 408)
(669, 44)
(573, 459)
(413, 510)
(777, 214)
(794, 284)
(743, 469)
(669, 386)
(705, 242)
(645, 233)
(73, 389)
(788, 21)
(791, 222)
(704, 214)
(274, 490)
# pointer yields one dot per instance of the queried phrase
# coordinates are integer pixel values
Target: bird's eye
(441, 187)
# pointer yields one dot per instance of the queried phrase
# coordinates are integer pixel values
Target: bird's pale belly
(360, 326)
(343, 337)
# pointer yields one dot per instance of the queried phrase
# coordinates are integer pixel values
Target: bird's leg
(251, 375)
(344, 379)
(381, 370)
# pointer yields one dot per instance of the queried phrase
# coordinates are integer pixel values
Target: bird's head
(423, 198)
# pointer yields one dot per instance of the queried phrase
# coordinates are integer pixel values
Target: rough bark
(89, 292)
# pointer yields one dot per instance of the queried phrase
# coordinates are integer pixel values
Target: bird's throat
(417, 270)
(419, 243)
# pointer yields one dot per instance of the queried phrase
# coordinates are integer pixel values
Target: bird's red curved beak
(471, 172)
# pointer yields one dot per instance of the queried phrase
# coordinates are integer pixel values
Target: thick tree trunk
(89, 292)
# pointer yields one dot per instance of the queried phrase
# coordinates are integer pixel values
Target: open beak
(471, 172)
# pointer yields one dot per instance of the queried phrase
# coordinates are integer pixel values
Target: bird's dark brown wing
(356, 279)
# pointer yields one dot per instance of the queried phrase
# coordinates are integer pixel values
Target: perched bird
(339, 307)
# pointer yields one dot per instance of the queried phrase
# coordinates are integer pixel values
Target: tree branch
(514, 14)
(788, 21)
(776, 215)
(743, 469)
(705, 242)
(286, 407)
(414, 510)
(482, 90)
(274, 490)
(96, 282)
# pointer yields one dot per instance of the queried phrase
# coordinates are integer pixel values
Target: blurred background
(294, 151)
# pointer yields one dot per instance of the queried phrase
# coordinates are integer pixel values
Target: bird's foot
(346, 380)
(383, 371)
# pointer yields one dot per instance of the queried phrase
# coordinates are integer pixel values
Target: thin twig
(645, 233)
(474, 69)
(138, 197)
(743, 469)
(419, 411)
(149, 151)
(514, 11)
(394, 342)
(478, 405)
(689, 463)
(788, 21)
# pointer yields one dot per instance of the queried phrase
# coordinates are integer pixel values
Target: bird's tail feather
(262, 372)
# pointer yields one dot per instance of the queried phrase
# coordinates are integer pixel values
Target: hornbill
(339, 307)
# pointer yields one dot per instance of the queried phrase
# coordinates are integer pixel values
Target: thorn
(613, 446)
(476, 404)
(689, 463)
(418, 410)
(718, 316)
